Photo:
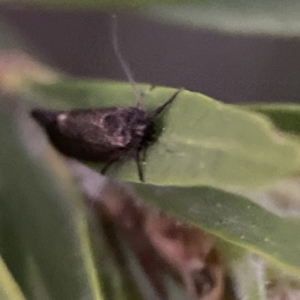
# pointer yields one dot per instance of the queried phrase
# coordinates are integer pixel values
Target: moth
(104, 134)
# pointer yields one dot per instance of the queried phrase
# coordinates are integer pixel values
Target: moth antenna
(123, 63)
(162, 107)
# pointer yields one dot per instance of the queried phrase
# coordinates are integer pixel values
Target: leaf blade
(265, 17)
(286, 116)
(212, 143)
(232, 218)
(48, 232)
(9, 289)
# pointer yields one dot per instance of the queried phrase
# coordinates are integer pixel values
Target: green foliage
(193, 125)
(257, 17)
(44, 232)
(201, 141)
(213, 166)
(233, 218)
(9, 290)
(245, 151)
(90, 4)
(285, 116)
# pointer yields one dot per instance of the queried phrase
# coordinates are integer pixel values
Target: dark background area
(230, 68)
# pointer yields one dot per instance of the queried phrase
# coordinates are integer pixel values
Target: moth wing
(102, 129)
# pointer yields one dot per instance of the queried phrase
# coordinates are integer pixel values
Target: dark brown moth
(103, 135)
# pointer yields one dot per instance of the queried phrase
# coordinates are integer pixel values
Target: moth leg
(117, 158)
(138, 161)
(152, 87)
(162, 107)
(139, 165)
(105, 168)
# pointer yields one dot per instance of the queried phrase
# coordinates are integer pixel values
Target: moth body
(103, 135)
(97, 134)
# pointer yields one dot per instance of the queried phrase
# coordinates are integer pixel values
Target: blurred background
(231, 67)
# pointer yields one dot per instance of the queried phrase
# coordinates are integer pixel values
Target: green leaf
(282, 198)
(9, 289)
(232, 218)
(234, 16)
(247, 271)
(200, 141)
(87, 4)
(43, 226)
(284, 116)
